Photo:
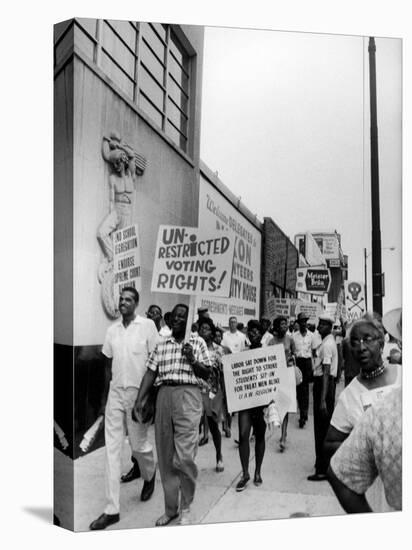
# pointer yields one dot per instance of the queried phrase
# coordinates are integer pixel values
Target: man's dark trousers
(302, 391)
(321, 422)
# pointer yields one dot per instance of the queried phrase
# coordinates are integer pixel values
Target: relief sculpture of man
(125, 165)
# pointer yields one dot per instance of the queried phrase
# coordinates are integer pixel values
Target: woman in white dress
(375, 379)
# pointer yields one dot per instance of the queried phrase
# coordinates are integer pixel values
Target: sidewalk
(285, 491)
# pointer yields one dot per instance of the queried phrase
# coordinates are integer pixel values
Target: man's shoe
(148, 488)
(203, 441)
(301, 423)
(317, 477)
(133, 473)
(220, 466)
(242, 483)
(228, 433)
(257, 480)
(104, 521)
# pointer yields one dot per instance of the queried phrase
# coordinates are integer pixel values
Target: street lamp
(366, 255)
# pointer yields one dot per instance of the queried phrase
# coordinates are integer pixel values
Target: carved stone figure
(125, 165)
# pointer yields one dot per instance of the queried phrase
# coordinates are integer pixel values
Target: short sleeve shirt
(303, 344)
(171, 365)
(373, 449)
(266, 339)
(328, 354)
(129, 348)
(235, 341)
(354, 400)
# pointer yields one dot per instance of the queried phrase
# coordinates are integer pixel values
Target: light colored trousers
(118, 417)
(178, 413)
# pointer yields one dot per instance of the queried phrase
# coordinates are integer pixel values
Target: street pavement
(285, 492)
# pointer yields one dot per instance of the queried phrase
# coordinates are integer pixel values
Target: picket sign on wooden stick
(190, 317)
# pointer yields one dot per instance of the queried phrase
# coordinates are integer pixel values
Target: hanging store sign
(313, 280)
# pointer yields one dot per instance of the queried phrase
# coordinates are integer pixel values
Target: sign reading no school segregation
(126, 260)
(253, 378)
(188, 261)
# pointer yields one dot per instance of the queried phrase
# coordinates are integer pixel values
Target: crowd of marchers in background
(154, 373)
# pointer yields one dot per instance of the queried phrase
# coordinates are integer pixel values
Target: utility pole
(377, 276)
(286, 269)
(366, 278)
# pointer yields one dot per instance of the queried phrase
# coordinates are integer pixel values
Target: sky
(285, 123)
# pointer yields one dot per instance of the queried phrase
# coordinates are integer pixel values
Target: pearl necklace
(374, 373)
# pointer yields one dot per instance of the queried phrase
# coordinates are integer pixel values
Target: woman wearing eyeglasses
(375, 379)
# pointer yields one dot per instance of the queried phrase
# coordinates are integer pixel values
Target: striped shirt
(171, 366)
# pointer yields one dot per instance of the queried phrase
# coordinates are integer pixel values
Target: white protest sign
(354, 300)
(287, 307)
(255, 377)
(331, 309)
(311, 309)
(188, 261)
(126, 260)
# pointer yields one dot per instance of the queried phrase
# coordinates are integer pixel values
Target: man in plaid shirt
(178, 369)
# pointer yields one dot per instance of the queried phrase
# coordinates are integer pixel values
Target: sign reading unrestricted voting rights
(126, 260)
(253, 378)
(218, 215)
(190, 261)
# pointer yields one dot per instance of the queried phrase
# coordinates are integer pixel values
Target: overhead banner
(354, 300)
(188, 261)
(126, 260)
(313, 280)
(218, 216)
(254, 378)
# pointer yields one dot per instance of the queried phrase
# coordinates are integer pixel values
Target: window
(148, 62)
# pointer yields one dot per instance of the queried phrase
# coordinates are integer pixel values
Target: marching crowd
(155, 373)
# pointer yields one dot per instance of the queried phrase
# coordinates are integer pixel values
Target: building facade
(280, 258)
(127, 140)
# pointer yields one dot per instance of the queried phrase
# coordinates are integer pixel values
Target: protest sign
(286, 307)
(354, 300)
(187, 261)
(311, 309)
(126, 260)
(331, 310)
(255, 377)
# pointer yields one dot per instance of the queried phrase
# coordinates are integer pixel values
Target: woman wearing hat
(375, 379)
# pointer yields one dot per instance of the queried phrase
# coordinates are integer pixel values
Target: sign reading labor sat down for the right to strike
(256, 377)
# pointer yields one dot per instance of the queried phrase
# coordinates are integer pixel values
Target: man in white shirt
(324, 385)
(127, 345)
(303, 340)
(233, 338)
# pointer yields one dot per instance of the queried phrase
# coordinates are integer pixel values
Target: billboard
(217, 215)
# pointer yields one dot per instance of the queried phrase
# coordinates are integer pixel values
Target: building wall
(89, 105)
(279, 258)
